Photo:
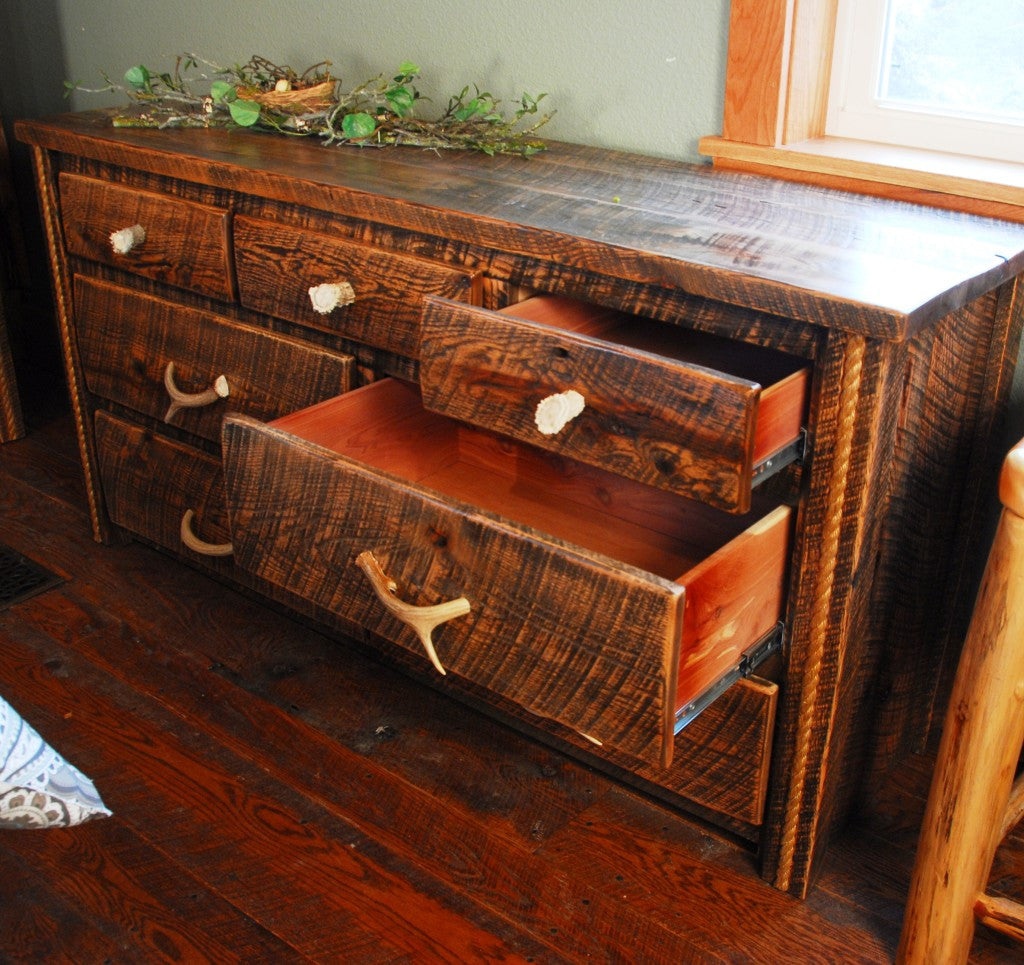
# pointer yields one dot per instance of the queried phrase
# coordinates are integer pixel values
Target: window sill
(994, 188)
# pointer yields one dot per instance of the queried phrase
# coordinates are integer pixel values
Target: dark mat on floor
(21, 578)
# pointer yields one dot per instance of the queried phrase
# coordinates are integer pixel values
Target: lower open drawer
(595, 601)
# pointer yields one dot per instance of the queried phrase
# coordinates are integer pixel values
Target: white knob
(557, 411)
(127, 238)
(327, 297)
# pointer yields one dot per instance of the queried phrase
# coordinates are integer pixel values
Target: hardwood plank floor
(280, 795)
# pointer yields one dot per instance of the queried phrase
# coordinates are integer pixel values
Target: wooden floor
(280, 796)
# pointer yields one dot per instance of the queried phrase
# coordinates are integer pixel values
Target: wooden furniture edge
(624, 261)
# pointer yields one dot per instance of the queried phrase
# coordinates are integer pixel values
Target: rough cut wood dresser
(609, 444)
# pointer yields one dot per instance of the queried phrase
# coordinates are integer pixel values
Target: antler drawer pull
(331, 295)
(127, 238)
(197, 545)
(556, 411)
(423, 619)
(191, 400)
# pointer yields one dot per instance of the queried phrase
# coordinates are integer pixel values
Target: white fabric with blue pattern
(38, 787)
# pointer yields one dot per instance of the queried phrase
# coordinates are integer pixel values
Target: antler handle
(191, 400)
(197, 545)
(423, 619)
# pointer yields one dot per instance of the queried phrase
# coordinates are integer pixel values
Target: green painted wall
(645, 76)
(642, 76)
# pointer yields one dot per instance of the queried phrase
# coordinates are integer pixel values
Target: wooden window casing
(776, 99)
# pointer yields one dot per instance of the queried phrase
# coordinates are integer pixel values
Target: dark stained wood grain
(12, 425)
(186, 244)
(882, 300)
(514, 641)
(518, 812)
(615, 667)
(379, 913)
(103, 872)
(642, 868)
(127, 339)
(278, 264)
(875, 267)
(150, 481)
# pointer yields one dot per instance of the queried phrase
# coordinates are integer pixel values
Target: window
(777, 93)
(941, 74)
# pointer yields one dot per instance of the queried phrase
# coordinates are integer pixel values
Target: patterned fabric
(38, 788)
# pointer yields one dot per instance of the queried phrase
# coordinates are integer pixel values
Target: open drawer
(688, 412)
(588, 599)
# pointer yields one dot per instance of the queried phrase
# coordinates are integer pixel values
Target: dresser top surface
(883, 268)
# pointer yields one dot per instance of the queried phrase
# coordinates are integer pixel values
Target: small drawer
(687, 412)
(168, 239)
(164, 491)
(189, 367)
(367, 294)
(597, 602)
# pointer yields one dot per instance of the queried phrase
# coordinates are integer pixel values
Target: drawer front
(182, 243)
(126, 341)
(150, 483)
(723, 757)
(566, 632)
(678, 425)
(380, 292)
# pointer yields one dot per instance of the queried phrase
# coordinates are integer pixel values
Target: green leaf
(221, 90)
(358, 126)
(470, 109)
(407, 69)
(401, 100)
(244, 113)
(137, 77)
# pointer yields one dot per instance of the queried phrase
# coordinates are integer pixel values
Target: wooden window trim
(776, 98)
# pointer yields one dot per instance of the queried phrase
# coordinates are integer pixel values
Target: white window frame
(854, 110)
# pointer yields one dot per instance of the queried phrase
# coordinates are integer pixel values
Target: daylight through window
(941, 74)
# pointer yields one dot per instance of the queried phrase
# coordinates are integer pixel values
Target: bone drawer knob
(331, 295)
(126, 239)
(556, 411)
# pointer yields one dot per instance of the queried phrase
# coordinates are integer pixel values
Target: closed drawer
(181, 243)
(602, 604)
(379, 293)
(687, 412)
(127, 341)
(152, 485)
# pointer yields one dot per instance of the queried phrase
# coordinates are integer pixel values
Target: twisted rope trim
(849, 392)
(50, 221)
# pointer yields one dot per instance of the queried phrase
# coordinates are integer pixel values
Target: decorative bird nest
(380, 112)
(293, 100)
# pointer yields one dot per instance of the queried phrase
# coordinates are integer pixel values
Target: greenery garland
(379, 112)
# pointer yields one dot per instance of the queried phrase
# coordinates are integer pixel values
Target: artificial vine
(380, 112)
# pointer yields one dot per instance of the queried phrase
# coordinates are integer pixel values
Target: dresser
(682, 471)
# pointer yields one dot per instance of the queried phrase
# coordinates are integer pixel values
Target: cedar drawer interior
(281, 269)
(692, 413)
(603, 604)
(174, 241)
(187, 366)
